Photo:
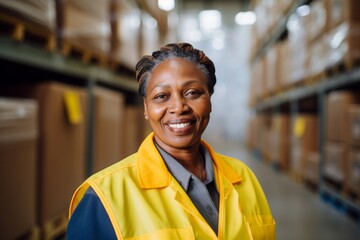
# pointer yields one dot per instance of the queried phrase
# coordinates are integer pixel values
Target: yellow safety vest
(144, 201)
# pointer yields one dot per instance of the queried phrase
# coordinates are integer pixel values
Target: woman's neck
(190, 158)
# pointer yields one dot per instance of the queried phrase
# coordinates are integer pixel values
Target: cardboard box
(136, 128)
(312, 167)
(353, 171)
(109, 118)
(336, 162)
(304, 139)
(354, 125)
(279, 146)
(18, 166)
(337, 115)
(272, 70)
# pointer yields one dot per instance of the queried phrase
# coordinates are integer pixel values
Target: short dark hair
(186, 51)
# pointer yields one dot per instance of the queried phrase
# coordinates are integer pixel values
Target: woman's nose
(178, 105)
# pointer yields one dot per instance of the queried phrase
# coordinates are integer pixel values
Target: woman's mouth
(179, 125)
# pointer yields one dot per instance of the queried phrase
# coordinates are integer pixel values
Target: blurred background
(287, 101)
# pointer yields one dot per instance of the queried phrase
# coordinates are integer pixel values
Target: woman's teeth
(179, 125)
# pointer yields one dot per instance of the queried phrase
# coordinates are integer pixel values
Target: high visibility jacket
(144, 201)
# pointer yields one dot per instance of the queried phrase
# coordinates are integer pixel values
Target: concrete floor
(300, 213)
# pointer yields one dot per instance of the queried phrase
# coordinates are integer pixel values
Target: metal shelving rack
(35, 57)
(318, 91)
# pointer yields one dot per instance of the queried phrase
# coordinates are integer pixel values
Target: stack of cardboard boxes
(19, 137)
(60, 162)
(341, 150)
(44, 148)
(321, 36)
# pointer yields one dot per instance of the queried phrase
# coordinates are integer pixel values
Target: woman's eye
(193, 93)
(160, 96)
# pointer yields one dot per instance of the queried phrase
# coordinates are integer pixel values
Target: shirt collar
(153, 173)
(181, 174)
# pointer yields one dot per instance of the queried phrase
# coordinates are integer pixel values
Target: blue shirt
(90, 220)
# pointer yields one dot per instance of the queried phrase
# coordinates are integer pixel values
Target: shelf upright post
(91, 83)
(321, 133)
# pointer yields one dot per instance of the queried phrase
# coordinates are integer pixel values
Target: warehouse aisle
(300, 214)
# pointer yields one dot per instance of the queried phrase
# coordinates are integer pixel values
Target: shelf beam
(37, 57)
(339, 81)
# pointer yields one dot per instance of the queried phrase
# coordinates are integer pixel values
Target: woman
(176, 186)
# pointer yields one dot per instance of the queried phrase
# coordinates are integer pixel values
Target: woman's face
(177, 104)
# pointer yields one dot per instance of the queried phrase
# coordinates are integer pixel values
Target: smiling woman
(176, 186)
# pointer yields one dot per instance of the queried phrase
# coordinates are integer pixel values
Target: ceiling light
(245, 18)
(210, 19)
(166, 5)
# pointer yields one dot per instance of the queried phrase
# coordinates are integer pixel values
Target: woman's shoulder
(120, 168)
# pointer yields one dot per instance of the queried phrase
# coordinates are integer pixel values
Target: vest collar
(153, 172)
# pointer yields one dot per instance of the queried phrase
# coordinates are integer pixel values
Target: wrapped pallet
(41, 12)
(317, 23)
(312, 168)
(126, 49)
(338, 105)
(296, 56)
(304, 140)
(18, 166)
(272, 70)
(343, 43)
(35, 18)
(86, 29)
(340, 11)
(336, 163)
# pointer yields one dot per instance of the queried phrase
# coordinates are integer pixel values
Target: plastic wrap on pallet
(336, 162)
(129, 22)
(317, 22)
(342, 10)
(42, 12)
(297, 49)
(18, 120)
(312, 167)
(261, 21)
(343, 42)
(270, 65)
(257, 78)
(319, 53)
(87, 23)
